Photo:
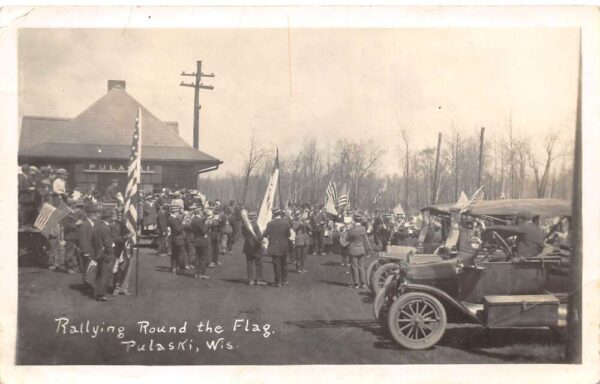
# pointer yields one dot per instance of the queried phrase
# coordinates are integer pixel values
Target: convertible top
(509, 207)
(439, 209)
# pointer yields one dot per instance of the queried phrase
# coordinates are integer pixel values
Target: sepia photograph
(293, 195)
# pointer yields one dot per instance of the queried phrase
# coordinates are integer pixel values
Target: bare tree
(405, 141)
(251, 164)
(541, 181)
(357, 161)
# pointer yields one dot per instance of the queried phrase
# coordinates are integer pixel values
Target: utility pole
(573, 345)
(435, 171)
(480, 158)
(457, 138)
(197, 85)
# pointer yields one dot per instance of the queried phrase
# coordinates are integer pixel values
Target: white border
(300, 17)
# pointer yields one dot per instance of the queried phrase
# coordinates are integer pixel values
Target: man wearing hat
(253, 250)
(530, 239)
(161, 229)
(27, 195)
(85, 223)
(71, 236)
(59, 187)
(104, 243)
(278, 232)
(175, 223)
(216, 225)
(199, 230)
(357, 249)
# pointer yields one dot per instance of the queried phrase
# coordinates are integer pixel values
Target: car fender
(390, 283)
(445, 298)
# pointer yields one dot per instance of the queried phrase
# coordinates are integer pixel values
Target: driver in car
(530, 239)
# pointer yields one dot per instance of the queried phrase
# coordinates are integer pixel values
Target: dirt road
(317, 319)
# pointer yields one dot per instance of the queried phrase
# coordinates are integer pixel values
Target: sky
(285, 86)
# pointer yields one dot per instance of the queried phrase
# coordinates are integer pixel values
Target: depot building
(95, 146)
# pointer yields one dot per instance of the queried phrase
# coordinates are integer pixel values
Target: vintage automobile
(436, 241)
(485, 284)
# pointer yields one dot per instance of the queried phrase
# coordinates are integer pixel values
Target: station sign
(109, 167)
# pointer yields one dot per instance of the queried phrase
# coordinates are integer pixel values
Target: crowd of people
(193, 232)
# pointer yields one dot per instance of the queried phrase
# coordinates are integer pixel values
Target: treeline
(513, 167)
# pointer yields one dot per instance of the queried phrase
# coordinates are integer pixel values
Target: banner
(265, 212)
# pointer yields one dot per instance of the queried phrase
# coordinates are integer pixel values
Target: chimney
(119, 84)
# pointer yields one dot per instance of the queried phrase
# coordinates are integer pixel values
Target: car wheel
(371, 269)
(379, 276)
(417, 320)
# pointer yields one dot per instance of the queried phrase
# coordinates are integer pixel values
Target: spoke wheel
(371, 269)
(417, 320)
(379, 276)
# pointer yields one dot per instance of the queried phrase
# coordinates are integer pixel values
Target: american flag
(342, 200)
(477, 196)
(50, 216)
(133, 178)
(380, 192)
(331, 192)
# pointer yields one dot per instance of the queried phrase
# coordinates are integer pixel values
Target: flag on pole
(477, 196)
(331, 198)
(380, 192)
(133, 178)
(49, 216)
(265, 212)
(331, 192)
(342, 200)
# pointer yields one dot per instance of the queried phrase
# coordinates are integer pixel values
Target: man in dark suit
(85, 228)
(253, 251)
(175, 222)
(200, 230)
(278, 233)
(161, 230)
(103, 242)
(530, 238)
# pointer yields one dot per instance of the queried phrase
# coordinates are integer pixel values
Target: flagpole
(278, 178)
(137, 242)
(139, 201)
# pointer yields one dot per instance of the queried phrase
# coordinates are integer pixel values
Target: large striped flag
(331, 191)
(342, 200)
(49, 216)
(133, 178)
(331, 198)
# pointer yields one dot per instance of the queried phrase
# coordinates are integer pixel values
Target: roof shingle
(106, 125)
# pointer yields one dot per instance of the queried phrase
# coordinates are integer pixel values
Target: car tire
(417, 320)
(380, 275)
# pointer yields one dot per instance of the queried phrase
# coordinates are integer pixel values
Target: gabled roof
(106, 125)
